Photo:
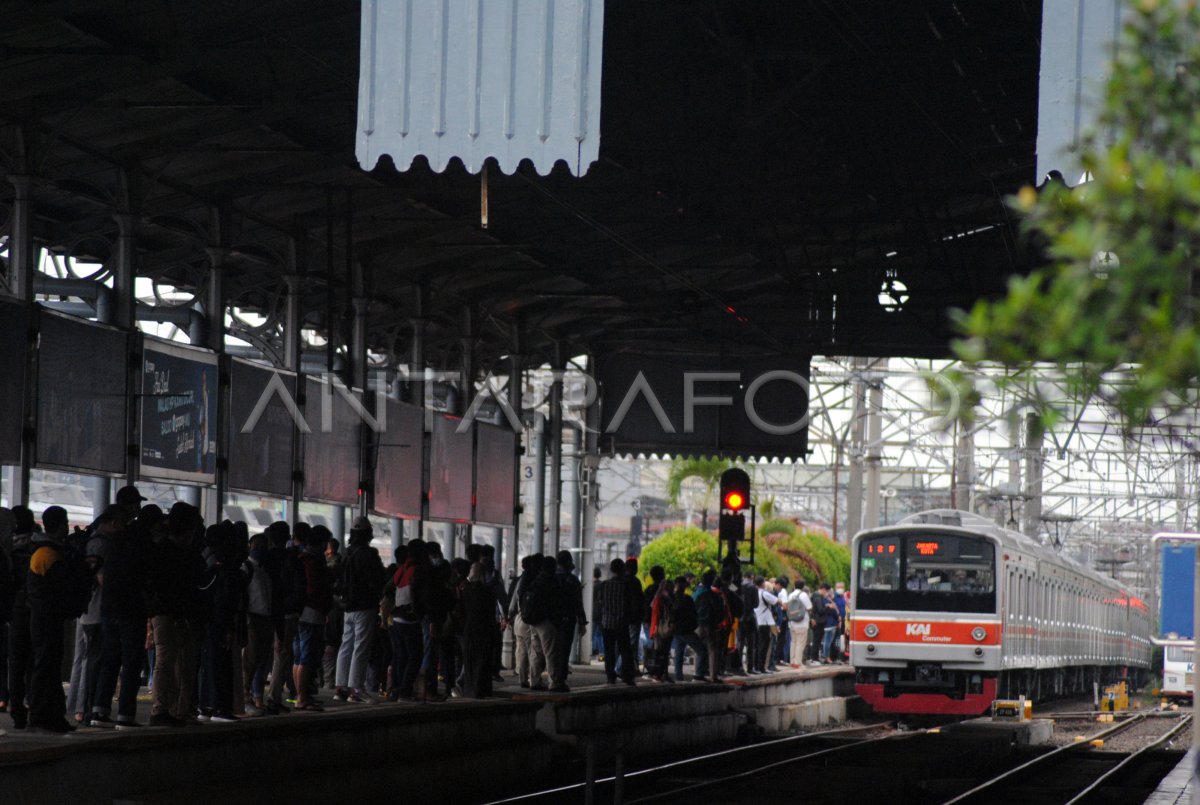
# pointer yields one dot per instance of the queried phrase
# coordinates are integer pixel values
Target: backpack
(537, 602)
(796, 613)
(733, 604)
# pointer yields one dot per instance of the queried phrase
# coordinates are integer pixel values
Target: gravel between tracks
(1132, 739)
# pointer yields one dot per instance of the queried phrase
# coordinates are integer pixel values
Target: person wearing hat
(569, 620)
(357, 588)
(130, 501)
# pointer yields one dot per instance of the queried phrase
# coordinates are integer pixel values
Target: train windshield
(927, 573)
(1179, 654)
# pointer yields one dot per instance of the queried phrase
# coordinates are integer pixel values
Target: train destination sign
(178, 413)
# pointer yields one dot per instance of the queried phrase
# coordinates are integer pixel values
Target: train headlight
(979, 633)
(871, 630)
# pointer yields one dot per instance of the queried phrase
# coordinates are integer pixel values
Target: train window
(927, 572)
(879, 564)
(1179, 654)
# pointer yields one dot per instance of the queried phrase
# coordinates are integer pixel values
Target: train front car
(926, 622)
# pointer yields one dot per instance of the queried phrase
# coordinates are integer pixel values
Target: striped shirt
(612, 604)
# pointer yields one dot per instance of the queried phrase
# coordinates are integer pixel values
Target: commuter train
(952, 612)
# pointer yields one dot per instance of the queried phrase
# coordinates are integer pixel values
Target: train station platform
(1177, 787)
(458, 750)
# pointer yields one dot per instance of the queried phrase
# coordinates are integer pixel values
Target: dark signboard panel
(495, 449)
(14, 356)
(450, 469)
(261, 438)
(178, 413)
(398, 461)
(81, 399)
(748, 407)
(331, 448)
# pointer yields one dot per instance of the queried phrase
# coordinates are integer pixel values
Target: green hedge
(682, 550)
(810, 555)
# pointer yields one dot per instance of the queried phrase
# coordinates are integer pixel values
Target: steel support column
(590, 458)
(516, 389)
(417, 386)
(854, 486)
(125, 303)
(358, 370)
(1031, 519)
(466, 393)
(214, 310)
(556, 450)
(539, 484)
(293, 322)
(874, 447)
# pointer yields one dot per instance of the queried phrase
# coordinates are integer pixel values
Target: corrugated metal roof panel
(1078, 42)
(510, 79)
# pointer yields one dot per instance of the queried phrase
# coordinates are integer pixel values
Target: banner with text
(178, 413)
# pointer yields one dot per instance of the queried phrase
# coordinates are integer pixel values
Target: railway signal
(735, 500)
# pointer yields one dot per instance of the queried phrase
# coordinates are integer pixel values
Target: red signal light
(734, 501)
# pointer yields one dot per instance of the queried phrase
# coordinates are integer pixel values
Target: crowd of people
(218, 622)
(732, 627)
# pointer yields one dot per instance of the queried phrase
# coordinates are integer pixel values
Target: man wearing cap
(569, 619)
(359, 586)
(130, 501)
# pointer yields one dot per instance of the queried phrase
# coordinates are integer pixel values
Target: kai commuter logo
(917, 629)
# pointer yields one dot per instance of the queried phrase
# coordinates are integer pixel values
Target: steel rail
(1099, 781)
(984, 786)
(696, 759)
(675, 792)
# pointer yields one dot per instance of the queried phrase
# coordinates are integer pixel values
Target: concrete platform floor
(589, 680)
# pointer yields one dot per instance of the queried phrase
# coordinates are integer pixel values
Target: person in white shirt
(797, 604)
(765, 620)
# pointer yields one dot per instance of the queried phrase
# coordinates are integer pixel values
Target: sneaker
(497, 678)
(354, 697)
(204, 716)
(340, 695)
(223, 718)
(99, 720)
(123, 726)
(255, 712)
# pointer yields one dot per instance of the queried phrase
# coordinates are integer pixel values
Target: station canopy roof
(765, 170)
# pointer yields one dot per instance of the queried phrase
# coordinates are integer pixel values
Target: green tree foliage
(809, 555)
(1116, 307)
(683, 550)
(708, 470)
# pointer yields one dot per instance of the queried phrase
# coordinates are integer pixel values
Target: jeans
(357, 629)
(47, 704)
(281, 671)
(681, 644)
(762, 648)
(256, 659)
(597, 641)
(747, 643)
(827, 641)
(216, 668)
(616, 641)
(86, 665)
(123, 643)
(408, 648)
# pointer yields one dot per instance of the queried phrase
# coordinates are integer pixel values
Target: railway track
(680, 777)
(1078, 773)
